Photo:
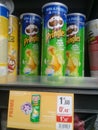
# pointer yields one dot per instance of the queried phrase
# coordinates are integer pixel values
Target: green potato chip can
(30, 44)
(53, 39)
(75, 44)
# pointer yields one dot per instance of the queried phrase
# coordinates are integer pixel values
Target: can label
(75, 45)
(4, 13)
(30, 45)
(35, 114)
(13, 45)
(53, 41)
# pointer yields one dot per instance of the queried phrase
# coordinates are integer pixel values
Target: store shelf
(77, 85)
(84, 89)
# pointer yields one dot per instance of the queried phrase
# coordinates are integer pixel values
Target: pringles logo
(91, 37)
(72, 30)
(55, 23)
(32, 31)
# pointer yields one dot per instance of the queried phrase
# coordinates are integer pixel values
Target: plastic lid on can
(78, 14)
(33, 14)
(9, 4)
(92, 21)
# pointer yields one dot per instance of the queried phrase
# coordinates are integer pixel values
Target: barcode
(64, 126)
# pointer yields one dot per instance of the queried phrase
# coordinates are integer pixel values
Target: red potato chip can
(92, 41)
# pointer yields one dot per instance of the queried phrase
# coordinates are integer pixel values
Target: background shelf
(73, 6)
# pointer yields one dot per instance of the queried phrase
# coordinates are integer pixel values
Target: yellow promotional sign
(40, 110)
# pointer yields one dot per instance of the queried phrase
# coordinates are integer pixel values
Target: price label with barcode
(64, 116)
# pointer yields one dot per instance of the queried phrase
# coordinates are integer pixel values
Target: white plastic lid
(9, 4)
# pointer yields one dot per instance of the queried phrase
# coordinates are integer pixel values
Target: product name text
(11, 108)
(55, 33)
(73, 39)
(33, 39)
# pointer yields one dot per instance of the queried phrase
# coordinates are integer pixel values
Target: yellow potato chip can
(12, 48)
(4, 14)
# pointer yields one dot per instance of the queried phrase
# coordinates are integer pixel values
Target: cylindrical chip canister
(13, 48)
(30, 30)
(53, 39)
(4, 15)
(92, 43)
(75, 44)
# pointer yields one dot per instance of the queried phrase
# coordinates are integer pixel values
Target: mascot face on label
(11, 63)
(72, 30)
(31, 29)
(55, 22)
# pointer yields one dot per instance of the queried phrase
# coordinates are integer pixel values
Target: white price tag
(64, 105)
(64, 115)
